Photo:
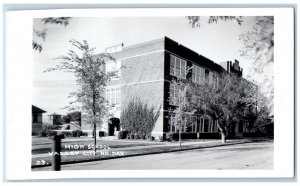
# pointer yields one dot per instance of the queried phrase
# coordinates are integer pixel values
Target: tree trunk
(95, 138)
(179, 138)
(223, 136)
(223, 132)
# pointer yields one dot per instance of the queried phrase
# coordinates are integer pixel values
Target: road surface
(257, 155)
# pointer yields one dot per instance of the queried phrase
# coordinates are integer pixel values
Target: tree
(66, 119)
(224, 101)
(178, 96)
(91, 78)
(180, 99)
(258, 47)
(43, 33)
(73, 117)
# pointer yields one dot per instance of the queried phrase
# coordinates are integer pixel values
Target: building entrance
(113, 125)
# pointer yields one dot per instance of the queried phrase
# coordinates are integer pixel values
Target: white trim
(176, 55)
(156, 51)
(144, 82)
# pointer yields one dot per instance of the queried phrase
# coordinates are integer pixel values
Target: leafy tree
(227, 102)
(138, 119)
(43, 33)
(180, 99)
(182, 108)
(91, 78)
(73, 117)
(66, 119)
(258, 47)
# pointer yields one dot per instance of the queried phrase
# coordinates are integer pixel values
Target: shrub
(169, 136)
(151, 138)
(47, 131)
(138, 119)
(101, 133)
(66, 127)
(33, 133)
(122, 134)
(66, 133)
(84, 134)
(76, 133)
(161, 138)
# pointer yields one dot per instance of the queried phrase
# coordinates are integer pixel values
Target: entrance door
(113, 124)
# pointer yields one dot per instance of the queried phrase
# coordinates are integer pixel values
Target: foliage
(194, 21)
(72, 117)
(232, 100)
(138, 119)
(76, 133)
(66, 119)
(66, 127)
(259, 47)
(182, 105)
(47, 131)
(123, 134)
(43, 33)
(171, 136)
(56, 20)
(36, 46)
(91, 78)
(181, 100)
(259, 41)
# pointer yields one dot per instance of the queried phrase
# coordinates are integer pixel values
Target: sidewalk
(159, 147)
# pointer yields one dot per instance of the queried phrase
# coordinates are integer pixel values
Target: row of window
(178, 68)
(193, 124)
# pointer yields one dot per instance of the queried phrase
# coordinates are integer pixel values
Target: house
(54, 119)
(37, 119)
(146, 73)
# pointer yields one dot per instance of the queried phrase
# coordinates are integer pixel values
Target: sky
(218, 42)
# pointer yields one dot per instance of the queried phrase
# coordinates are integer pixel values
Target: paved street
(258, 155)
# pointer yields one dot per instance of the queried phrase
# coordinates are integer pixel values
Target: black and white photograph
(151, 93)
(109, 93)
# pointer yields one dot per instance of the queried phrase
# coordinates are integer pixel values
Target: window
(172, 65)
(177, 67)
(206, 125)
(194, 124)
(201, 124)
(112, 66)
(206, 75)
(198, 74)
(173, 99)
(211, 78)
(35, 118)
(216, 81)
(172, 122)
(113, 96)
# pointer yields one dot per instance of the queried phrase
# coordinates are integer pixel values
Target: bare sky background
(218, 42)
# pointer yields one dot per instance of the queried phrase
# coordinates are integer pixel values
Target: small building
(54, 119)
(37, 119)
